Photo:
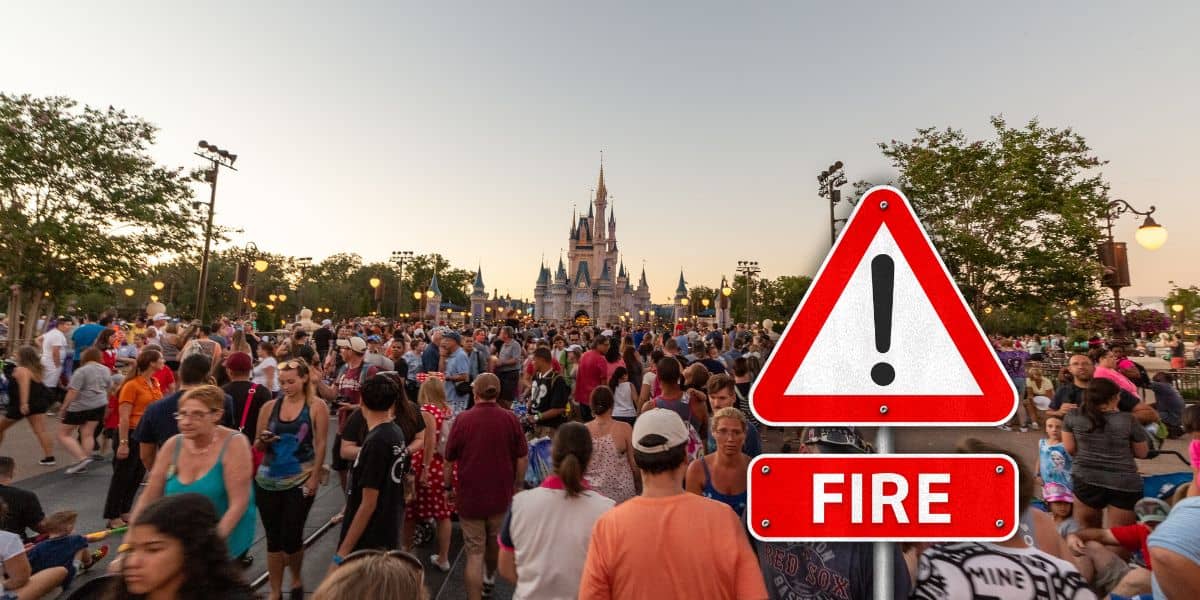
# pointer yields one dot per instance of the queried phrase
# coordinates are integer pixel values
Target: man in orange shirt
(667, 543)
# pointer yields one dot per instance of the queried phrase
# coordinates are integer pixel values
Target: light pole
(1113, 257)
(726, 291)
(399, 258)
(304, 262)
(829, 181)
(218, 158)
(748, 269)
(375, 285)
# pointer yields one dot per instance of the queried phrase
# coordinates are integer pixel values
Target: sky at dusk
(471, 129)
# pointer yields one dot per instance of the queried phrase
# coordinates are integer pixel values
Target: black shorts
(1098, 497)
(79, 417)
(38, 405)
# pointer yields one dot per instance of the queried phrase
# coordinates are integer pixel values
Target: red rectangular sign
(899, 497)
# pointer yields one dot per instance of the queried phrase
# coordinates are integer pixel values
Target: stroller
(1163, 486)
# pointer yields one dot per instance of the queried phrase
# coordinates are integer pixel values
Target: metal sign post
(884, 567)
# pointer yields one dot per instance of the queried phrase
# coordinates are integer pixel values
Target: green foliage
(775, 299)
(81, 199)
(1016, 217)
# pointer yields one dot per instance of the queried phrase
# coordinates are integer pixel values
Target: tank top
(211, 485)
(735, 501)
(289, 459)
(39, 394)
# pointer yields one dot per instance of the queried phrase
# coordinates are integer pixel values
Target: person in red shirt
(487, 445)
(1100, 551)
(592, 373)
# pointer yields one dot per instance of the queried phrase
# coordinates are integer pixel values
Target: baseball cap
(1151, 510)
(355, 344)
(452, 334)
(240, 362)
(161, 317)
(374, 339)
(1057, 492)
(662, 422)
(486, 384)
(326, 323)
(574, 348)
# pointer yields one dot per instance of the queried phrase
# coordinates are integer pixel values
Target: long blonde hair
(433, 392)
(374, 576)
(27, 356)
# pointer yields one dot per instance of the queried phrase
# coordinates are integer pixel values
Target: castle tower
(681, 294)
(605, 311)
(478, 297)
(434, 304)
(540, 291)
(558, 293)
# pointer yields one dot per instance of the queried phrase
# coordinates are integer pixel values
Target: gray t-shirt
(91, 382)
(509, 351)
(1104, 457)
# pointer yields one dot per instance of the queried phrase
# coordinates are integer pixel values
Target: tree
(80, 200)
(1015, 218)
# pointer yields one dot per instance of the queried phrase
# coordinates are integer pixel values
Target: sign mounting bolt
(999, 523)
(999, 469)
(766, 470)
(883, 409)
(883, 205)
(766, 523)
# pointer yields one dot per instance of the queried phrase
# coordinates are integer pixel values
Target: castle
(594, 283)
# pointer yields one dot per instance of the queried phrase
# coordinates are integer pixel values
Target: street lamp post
(219, 158)
(304, 262)
(749, 269)
(1150, 235)
(399, 258)
(375, 285)
(829, 181)
(723, 308)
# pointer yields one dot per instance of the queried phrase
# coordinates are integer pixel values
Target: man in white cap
(160, 324)
(703, 540)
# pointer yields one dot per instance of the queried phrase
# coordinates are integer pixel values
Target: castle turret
(681, 294)
(433, 303)
(540, 291)
(478, 297)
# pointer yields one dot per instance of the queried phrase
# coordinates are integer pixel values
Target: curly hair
(208, 571)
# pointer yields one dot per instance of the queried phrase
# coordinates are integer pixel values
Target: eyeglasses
(407, 557)
(289, 365)
(193, 414)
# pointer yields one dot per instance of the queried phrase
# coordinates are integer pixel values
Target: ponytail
(571, 453)
(1098, 393)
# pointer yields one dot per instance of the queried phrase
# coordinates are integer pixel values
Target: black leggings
(283, 515)
(126, 479)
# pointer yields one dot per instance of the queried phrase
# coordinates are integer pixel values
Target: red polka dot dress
(430, 502)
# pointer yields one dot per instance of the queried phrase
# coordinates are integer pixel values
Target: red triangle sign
(883, 336)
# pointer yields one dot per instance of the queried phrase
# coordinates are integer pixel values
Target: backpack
(695, 446)
(444, 434)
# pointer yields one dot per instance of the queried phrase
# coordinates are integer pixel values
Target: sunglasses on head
(403, 556)
(291, 364)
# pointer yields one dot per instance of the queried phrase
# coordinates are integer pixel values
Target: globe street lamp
(375, 287)
(1113, 257)
(158, 285)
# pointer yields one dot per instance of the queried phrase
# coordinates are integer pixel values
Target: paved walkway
(85, 493)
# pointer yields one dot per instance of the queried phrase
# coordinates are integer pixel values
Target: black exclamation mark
(883, 271)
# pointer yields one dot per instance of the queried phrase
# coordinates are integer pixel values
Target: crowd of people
(580, 460)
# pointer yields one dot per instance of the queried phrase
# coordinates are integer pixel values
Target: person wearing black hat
(248, 397)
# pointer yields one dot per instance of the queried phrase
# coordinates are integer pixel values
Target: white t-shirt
(975, 570)
(549, 533)
(53, 339)
(10, 546)
(259, 374)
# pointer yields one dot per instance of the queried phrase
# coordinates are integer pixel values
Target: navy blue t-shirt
(158, 422)
(57, 552)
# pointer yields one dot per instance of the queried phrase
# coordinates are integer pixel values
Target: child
(1061, 502)
(61, 548)
(1054, 463)
(1191, 425)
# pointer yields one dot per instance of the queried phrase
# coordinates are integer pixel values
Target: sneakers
(489, 585)
(1033, 426)
(79, 467)
(97, 456)
(1005, 427)
(1024, 429)
(442, 565)
(49, 461)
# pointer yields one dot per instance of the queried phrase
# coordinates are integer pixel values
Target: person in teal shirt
(210, 460)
